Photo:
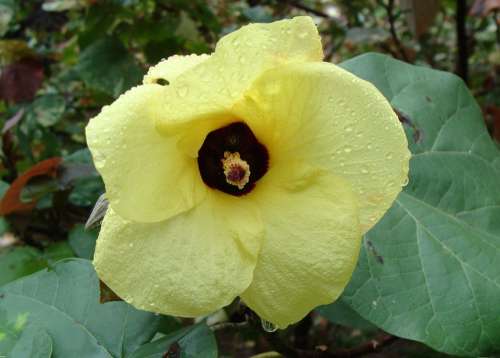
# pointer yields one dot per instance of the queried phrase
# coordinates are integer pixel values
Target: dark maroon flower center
(231, 159)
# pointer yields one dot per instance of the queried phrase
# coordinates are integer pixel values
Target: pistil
(236, 170)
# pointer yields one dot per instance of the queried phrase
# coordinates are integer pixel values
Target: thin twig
(389, 8)
(496, 19)
(374, 345)
(306, 8)
(371, 346)
(224, 325)
(462, 41)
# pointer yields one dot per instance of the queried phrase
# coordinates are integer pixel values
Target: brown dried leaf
(20, 81)
(11, 202)
(107, 294)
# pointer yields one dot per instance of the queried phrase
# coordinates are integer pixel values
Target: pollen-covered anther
(236, 170)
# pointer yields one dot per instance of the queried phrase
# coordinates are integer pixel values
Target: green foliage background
(428, 271)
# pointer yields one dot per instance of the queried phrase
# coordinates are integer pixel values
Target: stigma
(236, 170)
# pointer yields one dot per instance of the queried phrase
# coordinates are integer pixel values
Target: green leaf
(107, 66)
(48, 109)
(4, 225)
(83, 241)
(361, 35)
(65, 302)
(86, 191)
(7, 10)
(20, 340)
(87, 184)
(63, 5)
(56, 252)
(258, 13)
(429, 269)
(341, 313)
(197, 341)
(81, 156)
(17, 262)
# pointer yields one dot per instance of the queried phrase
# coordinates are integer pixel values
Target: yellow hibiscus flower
(253, 172)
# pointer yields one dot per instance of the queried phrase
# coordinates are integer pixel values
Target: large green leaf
(19, 261)
(82, 241)
(107, 66)
(430, 268)
(341, 313)
(65, 302)
(197, 341)
(17, 339)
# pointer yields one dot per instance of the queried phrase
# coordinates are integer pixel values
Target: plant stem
(462, 66)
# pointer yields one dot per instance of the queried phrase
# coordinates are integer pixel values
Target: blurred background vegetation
(62, 60)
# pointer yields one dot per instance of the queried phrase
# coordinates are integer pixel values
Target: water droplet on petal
(347, 149)
(388, 156)
(348, 129)
(405, 182)
(268, 326)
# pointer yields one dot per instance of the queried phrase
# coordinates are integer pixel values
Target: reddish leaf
(484, 7)
(11, 201)
(20, 81)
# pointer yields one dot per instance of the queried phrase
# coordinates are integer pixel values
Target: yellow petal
(327, 117)
(147, 178)
(209, 89)
(172, 67)
(310, 247)
(189, 265)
